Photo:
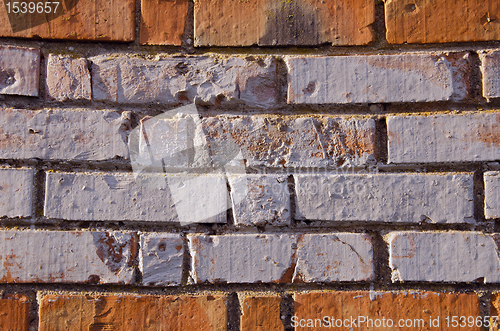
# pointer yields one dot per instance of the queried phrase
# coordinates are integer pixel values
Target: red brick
(132, 312)
(261, 313)
(14, 312)
(163, 22)
(377, 306)
(268, 22)
(495, 311)
(429, 21)
(74, 19)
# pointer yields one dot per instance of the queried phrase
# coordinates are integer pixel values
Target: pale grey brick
(160, 259)
(332, 257)
(260, 199)
(200, 79)
(492, 194)
(119, 196)
(63, 134)
(412, 198)
(417, 77)
(16, 192)
(468, 137)
(444, 256)
(66, 257)
(490, 68)
(19, 70)
(67, 79)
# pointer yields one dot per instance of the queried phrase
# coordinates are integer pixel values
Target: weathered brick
(78, 20)
(261, 313)
(418, 77)
(412, 198)
(427, 21)
(495, 311)
(490, 68)
(133, 312)
(67, 79)
(15, 312)
(278, 258)
(260, 199)
(160, 259)
(16, 192)
(372, 310)
(121, 197)
(333, 257)
(444, 256)
(309, 22)
(491, 194)
(63, 134)
(19, 70)
(200, 79)
(67, 257)
(295, 142)
(163, 22)
(468, 137)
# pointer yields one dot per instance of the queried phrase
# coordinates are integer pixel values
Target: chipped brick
(19, 70)
(67, 79)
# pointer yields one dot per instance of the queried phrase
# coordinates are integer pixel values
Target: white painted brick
(490, 68)
(492, 194)
(444, 256)
(333, 257)
(160, 259)
(288, 141)
(242, 258)
(67, 79)
(19, 70)
(260, 199)
(66, 257)
(412, 198)
(119, 197)
(16, 192)
(63, 135)
(470, 137)
(418, 77)
(200, 79)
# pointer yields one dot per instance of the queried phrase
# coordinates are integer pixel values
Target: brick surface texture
(490, 63)
(16, 194)
(227, 23)
(163, 22)
(19, 70)
(133, 312)
(76, 20)
(447, 21)
(15, 312)
(67, 79)
(418, 310)
(261, 313)
(492, 194)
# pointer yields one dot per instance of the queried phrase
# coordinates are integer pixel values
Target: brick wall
(249, 165)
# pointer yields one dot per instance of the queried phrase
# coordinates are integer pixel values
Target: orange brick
(163, 21)
(495, 311)
(291, 22)
(73, 19)
(430, 21)
(261, 313)
(14, 311)
(132, 312)
(416, 310)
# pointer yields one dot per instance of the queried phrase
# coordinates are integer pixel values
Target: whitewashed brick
(119, 197)
(444, 256)
(260, 199)
(67, 79)
(490, 68)
(242, 258)
(418, 77)
(492, 194)
(160, 259)
(16, 192)
(66, 257)
(288, 141)
(470, 137)
(19, 70)
(333, 257)
(412, 198)
(201, 79)
(63, 135)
